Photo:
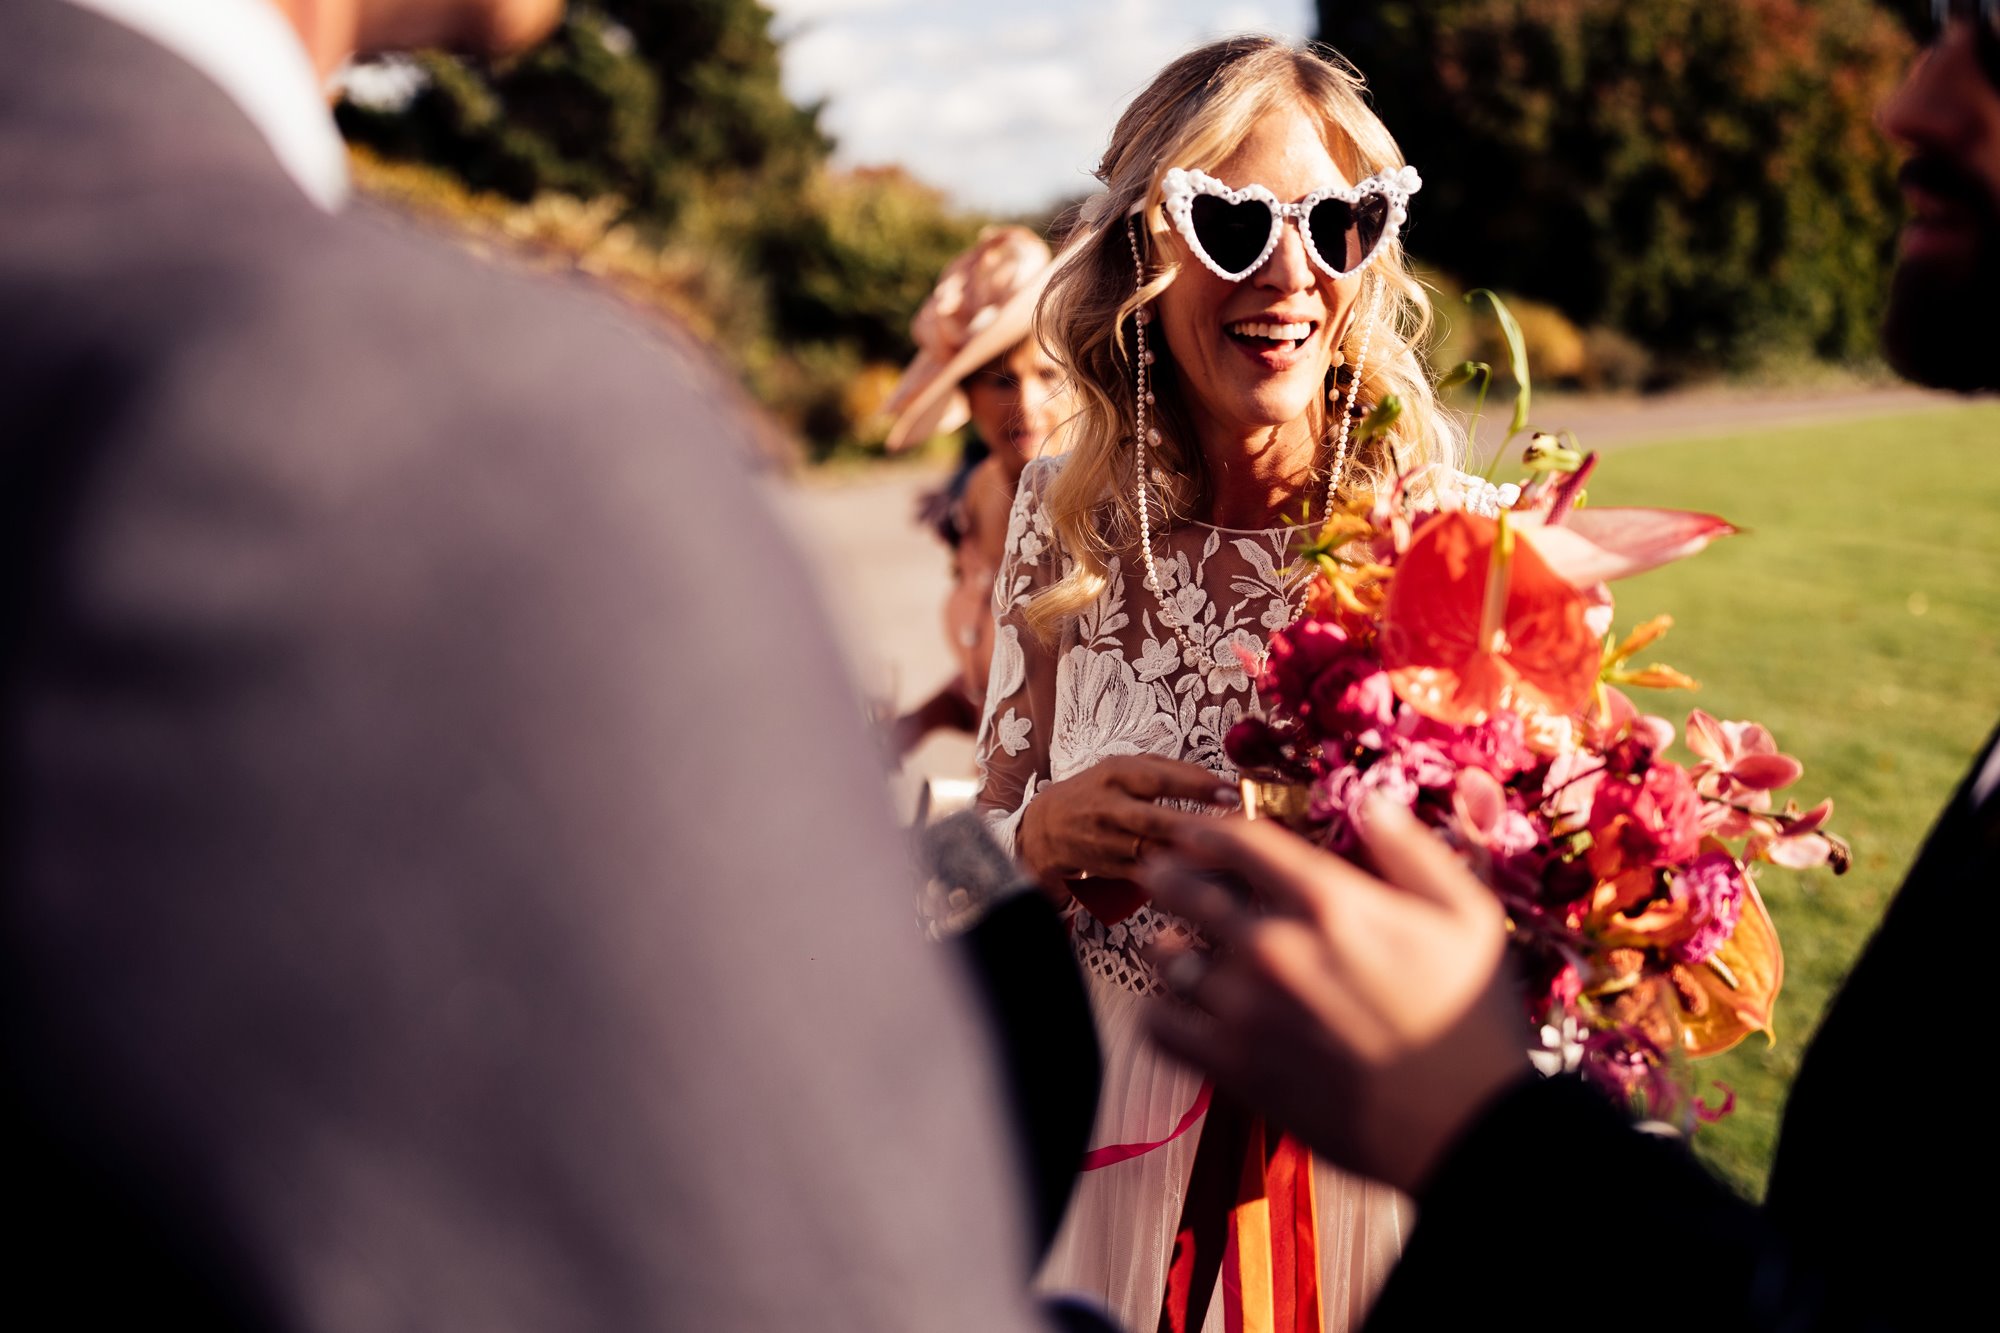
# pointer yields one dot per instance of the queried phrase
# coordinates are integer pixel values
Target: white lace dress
(1118, 683)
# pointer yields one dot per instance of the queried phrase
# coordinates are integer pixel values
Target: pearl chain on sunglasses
(1147, 435)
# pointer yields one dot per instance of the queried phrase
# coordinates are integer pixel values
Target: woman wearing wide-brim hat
(978, 364)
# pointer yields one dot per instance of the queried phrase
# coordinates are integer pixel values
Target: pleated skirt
(1116, 1240)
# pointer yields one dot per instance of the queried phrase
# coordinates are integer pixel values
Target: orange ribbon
(1248, 1229)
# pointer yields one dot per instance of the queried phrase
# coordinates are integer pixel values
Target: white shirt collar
(249, 50)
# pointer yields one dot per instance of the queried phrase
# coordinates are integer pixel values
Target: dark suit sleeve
(1020, 955)
(1554, 1206)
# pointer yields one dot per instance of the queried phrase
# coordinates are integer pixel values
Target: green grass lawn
(1858, 617)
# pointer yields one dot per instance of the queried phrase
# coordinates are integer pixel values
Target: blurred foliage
(661, 130)
(1702, 177)
(650, 100)
(1564, 355)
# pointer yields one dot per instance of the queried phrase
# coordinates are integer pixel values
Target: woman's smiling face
(1254, 354)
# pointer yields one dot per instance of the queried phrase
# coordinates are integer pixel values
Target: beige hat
(983, 304)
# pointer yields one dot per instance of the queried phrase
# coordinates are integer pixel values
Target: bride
(1240, 302)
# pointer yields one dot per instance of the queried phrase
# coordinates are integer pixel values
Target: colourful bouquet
(1463, 665)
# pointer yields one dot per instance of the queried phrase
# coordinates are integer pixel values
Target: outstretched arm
(1375, 1018)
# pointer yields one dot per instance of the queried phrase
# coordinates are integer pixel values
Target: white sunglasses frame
(1181, 187)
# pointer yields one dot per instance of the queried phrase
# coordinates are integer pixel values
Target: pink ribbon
(1112, 1154)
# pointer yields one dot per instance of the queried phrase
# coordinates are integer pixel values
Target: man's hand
(1374, 1019)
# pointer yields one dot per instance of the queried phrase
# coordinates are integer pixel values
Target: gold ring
(1138, 846)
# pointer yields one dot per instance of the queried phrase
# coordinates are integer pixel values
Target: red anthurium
(1477, 623)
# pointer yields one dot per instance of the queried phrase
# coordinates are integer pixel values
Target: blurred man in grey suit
(445, 880)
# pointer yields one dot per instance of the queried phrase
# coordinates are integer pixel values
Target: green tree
(650, 100)
(1704, 176)
(674, 108)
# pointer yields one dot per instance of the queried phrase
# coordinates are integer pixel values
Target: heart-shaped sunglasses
(1233, 232)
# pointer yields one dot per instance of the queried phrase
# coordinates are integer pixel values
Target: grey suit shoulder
(449, 885)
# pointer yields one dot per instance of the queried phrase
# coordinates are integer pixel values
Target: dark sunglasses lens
(1346, 234)
(1232, 234)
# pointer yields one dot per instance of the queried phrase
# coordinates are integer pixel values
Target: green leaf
(1378, 421)
(1517, 355)
(1464, 373)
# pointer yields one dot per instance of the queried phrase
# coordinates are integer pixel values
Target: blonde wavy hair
(1197, 112)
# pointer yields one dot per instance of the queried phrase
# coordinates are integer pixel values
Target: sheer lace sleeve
(1013, 746)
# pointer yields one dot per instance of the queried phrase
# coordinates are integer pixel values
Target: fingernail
(1227, 797)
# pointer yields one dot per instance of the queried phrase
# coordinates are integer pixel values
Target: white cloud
(1006, 110)
(797, 11)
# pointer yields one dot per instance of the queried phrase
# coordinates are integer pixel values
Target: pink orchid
(1486, 819)
(1794, 840)
(1738, 759)
(1339, 798)
(1569, 789)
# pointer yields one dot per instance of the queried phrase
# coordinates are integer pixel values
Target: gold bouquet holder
(1277, 799)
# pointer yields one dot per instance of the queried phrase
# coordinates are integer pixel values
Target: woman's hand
(1100, 822)
(1374, 1017)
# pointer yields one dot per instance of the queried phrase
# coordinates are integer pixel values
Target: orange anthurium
(1740, 985)
(1477, 623)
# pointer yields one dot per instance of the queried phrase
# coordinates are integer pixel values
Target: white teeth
(1290, 333)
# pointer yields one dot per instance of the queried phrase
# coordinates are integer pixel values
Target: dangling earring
(1345, 409)
(1144, 434)
(1147, 436)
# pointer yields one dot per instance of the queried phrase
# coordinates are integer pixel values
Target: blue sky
(1004, 105)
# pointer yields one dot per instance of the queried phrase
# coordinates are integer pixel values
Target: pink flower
(1506, 845)
(1351, 701)
(1298, 656)
(1569, 788)
(1550, 981)
(1632, 1068)
(1711, 892)
(1655, 733)
(1488, 819)
(1428, 765)
(1795, 841)
(1253, 744)
(1599, 544)
(1737, 758)
(1339, 797)
(1558, 992)
(1651, 820)
(1498, 746)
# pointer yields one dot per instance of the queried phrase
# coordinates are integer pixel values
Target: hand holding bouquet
(1462, 666)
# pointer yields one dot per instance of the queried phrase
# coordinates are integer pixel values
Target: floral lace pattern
(1119, 682)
